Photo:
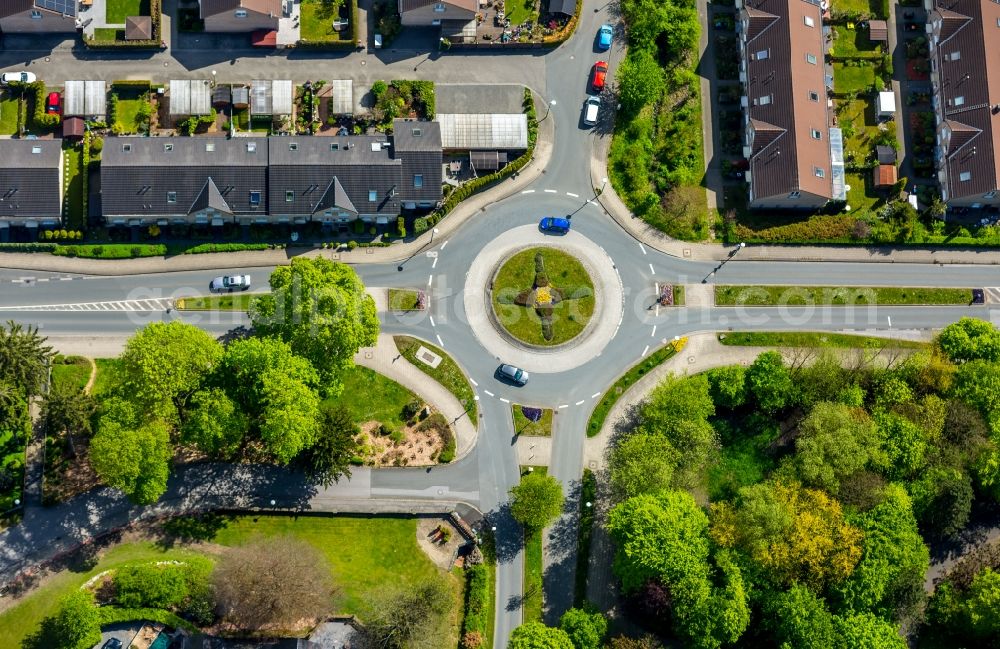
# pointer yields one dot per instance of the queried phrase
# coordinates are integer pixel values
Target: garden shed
(341, 97)
(87, 99)
(138, 28)
(487, 160)
(885, 105)
(886, 155)
(222, 96)
(564, 7)
(241, 97)
(884, 176)
(72, 128)
(190, 97)
(878, 31)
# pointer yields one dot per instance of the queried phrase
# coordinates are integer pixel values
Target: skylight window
(808, 20)
(811, 58)
(251, 147)
(965, 176)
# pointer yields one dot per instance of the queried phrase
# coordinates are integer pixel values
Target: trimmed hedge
(230, 247)
(477, 600)
(111, 250)
(116, 615)
(41, 119)
(155, 10)
(28, 247)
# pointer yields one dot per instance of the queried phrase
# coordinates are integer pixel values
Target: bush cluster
(111, 250)
(230, 247)
(816, 228)
(477, 606)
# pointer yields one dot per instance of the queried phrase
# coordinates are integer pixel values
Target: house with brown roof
(37, 16)
(431, 13)
(240, 15)
(966, 100)
(787, 135)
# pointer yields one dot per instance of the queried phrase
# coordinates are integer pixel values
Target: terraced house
(31, 187)
(964, 38)
(796, 159)
(37, 16)
(212, 181)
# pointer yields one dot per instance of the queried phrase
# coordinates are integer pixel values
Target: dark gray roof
(29, 179)
(349, 150)
(886, 154)
(310, 187)
(210, 197)
(418, 145)
(567, 7)
(412, 135)
(472, 100)
(335, 196)
(137, 181)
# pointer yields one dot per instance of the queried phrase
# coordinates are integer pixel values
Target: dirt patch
(416, 444)
(439, 540)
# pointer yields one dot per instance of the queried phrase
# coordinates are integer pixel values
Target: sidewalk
(385, 359)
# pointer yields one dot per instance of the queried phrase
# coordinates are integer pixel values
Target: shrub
(401, 226)
(28, 247)
(386, 430)
(420, 225)
(448, 452)
(152, 585)
(96, 144)
(477, 604)
(411, 409)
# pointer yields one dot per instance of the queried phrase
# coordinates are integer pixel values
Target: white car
(591, 107)
(23, 77)
(229, 283)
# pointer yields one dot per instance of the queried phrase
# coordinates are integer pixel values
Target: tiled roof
(410, 5)
(885, 175)
(138, 28)
(784, 61)
(266, 7)
(29, 179)
(968, 89)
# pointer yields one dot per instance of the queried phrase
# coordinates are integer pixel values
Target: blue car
(604, 35)
(554, 225)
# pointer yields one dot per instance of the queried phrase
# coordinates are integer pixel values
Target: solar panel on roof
(67, 7)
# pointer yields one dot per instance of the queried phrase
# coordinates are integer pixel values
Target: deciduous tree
(728, 385)
(970, 339)
(834, 441)
(214, 423)
(799, 618)
(678, 408)
(75, 625)
(404, 616)
(640, 81)
(867, 631)
(770, 382)
(585, 630)
(535, 635)
(135, 460)
(536, 501)
(642, 463)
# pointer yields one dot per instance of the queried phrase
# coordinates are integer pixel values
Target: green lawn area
(317, 18)
(118, 10)
(70, 370)
(234, 302)
(363, 553)
(521, 10)
(403, 299)
(812, 339)
(447, 373)
(853, 78)
(861, 195)
(540, 428)
(838, 295)
(73, 210)
(102, 34)
(369, 396)
(616, 390)
(857, 119)
(531, 606)
(854, 43)
(130, 103)
(858, 6)
(106, 370)
(564, 272)
(8, 115)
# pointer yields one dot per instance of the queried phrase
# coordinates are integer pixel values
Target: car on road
(598, 75)
(604, 36)
(554, 224)
(512, 374)
(52, 104)
(112, 643)
(591, 109)
(11, 77)
(229, 283)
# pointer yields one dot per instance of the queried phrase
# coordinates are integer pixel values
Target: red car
(52, 106)
(598, 75)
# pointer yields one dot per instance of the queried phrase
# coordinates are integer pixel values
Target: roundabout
(504, 273)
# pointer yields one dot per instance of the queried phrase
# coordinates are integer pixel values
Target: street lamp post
(213, 78)
(548, 108)
(433, 232)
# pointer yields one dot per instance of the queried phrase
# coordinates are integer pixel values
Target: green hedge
(155, 9)
(28, 247)
(116, 615)
(477, 600)
(230, 247)
(39, 118)
(111, 250)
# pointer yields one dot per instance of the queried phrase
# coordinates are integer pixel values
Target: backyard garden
(327, 21)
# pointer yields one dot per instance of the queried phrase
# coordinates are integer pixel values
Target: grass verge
(837, 295)
(588, 496)
(70, 370)
(524, 426)
(447, 373)
(404, 299)
(624, 381)
(238, 302)
(531, 606)
(812, 339)
(369, 396)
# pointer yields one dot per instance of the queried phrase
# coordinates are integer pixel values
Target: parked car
(512, 374)
(112, 643)
(11, 77)
(598, 75)
(53, 104)
(229, 283)
(554, 224)
(604, 36)
(591, 108)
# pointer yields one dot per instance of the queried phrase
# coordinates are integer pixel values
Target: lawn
(73, 209)
(129, 115)
(861, 194)
(106, 370)
(857, 120)
(317, 18)
(369, 396)
(447, 373)
(237, 302)
(70, 370)
(521, 10)
(632, 375)
(531, 606)
(404, 299)
(854, 43)
(524, 426)
(109, 34)
(838, 295)
(858, 6)
(812, 339)
(852, 78)
(117, 11)
(363, 554)
(8, 115)
(564, 272)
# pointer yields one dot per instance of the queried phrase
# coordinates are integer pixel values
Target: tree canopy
(970, 339)
(24, 358)
(535, 635)
(75, 625)
(586, 630)
(536, 501)
(770, 382)
(640, 464)
(133, 459)
(835, 440)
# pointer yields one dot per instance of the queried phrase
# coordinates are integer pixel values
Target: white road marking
(432, 321)
(595, 395)
(644, 351)
(580, 402)
(440, 342)
(65, 279)
(642, 248)
(444, 244)
(430, 278)
(434, 265)
(572, 194)
(43, 279)
(505, 400)
(565, 405)
(473, 382)
(651, 269)
(489, 393)
(551, 191)
(650, 335)
(528, 191)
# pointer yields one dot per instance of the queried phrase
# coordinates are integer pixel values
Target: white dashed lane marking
(440, 342)
(595, 395)
(645, 350)
(432, 321)
(551, 191)
(580, 402)
(488, 393)
(158, 304)
(572, 194)
(505, 400)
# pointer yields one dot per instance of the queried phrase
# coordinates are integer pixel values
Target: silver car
(513, 374)
(23, 77)
(229, 283)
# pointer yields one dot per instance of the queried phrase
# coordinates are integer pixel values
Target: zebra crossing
(152, 304)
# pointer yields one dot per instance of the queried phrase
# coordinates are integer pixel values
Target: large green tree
(799, 618)
(728, 385)
(330, 457)
(164, 363)
(641, 463)
(134, 460)
(75, 625)
(24, 358)
(536, 501)
(405, 616)
(679, 408)
(321, 309)
(835, 440)
(770, 382)
(67, 410)
(214, 423)
(585, 629)
(904, 443)
(640, 81)
(535, 635)
(970, 339)
(867, 631)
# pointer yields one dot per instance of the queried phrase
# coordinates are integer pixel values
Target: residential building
(796, 160)
(428, 13)
(966, 99)
(31, 184)
(482, 117)
(37, 16)
(240, 15)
